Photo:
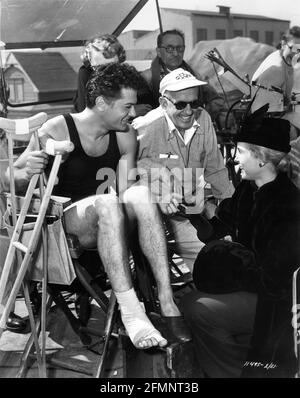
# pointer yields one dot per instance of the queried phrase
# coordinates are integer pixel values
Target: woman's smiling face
(248, 163)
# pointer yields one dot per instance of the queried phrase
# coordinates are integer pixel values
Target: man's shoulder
(127, 141)
(149, 121)
(203, 114)
(203, 117)
(56, 121)
(55, 126)
(128, 135)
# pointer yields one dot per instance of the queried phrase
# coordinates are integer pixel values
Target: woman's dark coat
(267, 220)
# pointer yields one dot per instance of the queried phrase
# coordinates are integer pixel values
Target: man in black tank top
(104, 152)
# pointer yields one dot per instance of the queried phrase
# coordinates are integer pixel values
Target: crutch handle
(53, 147)
(21, 129)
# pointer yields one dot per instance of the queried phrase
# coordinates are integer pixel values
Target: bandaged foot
(138, 326)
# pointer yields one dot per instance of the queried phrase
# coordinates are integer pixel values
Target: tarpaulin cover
(53, 23)
(242, 54)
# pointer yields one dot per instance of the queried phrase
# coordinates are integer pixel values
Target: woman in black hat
(241, 319)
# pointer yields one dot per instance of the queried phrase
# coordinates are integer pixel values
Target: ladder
(13, 277)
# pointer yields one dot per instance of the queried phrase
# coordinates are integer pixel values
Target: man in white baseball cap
(178, 79)
(180, 142)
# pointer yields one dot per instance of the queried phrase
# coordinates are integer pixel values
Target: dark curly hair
(108, 80)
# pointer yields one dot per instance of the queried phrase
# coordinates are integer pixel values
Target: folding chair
(89, 287)
(14, 272)
(42, 207)
(86, 283)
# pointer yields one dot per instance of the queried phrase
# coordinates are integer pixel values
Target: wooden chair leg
(87, 281)
(75, 323)
(110, 321)
(30, 345)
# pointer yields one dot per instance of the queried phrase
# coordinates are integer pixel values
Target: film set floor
(68, 357)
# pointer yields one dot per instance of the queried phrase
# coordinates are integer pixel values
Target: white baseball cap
(178, 79)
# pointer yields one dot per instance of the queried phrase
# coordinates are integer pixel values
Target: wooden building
(33, 77)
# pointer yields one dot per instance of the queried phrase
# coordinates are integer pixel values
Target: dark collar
(280, 184)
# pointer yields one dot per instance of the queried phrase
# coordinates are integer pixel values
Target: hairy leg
(153, 243)
(99, 221)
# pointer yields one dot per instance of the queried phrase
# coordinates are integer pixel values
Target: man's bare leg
(100, 220)
(153, 243)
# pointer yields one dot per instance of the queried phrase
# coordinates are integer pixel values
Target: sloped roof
(218, 14)
(73, 57)
(49, 71)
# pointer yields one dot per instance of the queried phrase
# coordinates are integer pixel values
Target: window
(16, 90)
(238, 33)
(269, 37)
(254, 35)
(220, 34)
(201, 34)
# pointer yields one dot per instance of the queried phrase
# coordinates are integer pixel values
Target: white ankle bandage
(136, 322)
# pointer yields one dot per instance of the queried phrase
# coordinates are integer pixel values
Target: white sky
(282, 9)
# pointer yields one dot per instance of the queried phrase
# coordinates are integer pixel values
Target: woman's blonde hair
(108, 44)
(268, 155)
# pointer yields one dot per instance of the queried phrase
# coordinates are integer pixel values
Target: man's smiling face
(183, 119)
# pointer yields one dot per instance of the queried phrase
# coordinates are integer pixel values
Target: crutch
(8, 291)
(19, 130)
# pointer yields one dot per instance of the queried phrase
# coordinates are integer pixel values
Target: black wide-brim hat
(268, 132)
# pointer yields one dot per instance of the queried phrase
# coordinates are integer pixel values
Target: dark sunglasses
(182, 104)
(171, 49)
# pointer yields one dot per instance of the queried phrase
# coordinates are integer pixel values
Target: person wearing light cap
(177, 151)
(241, 314)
